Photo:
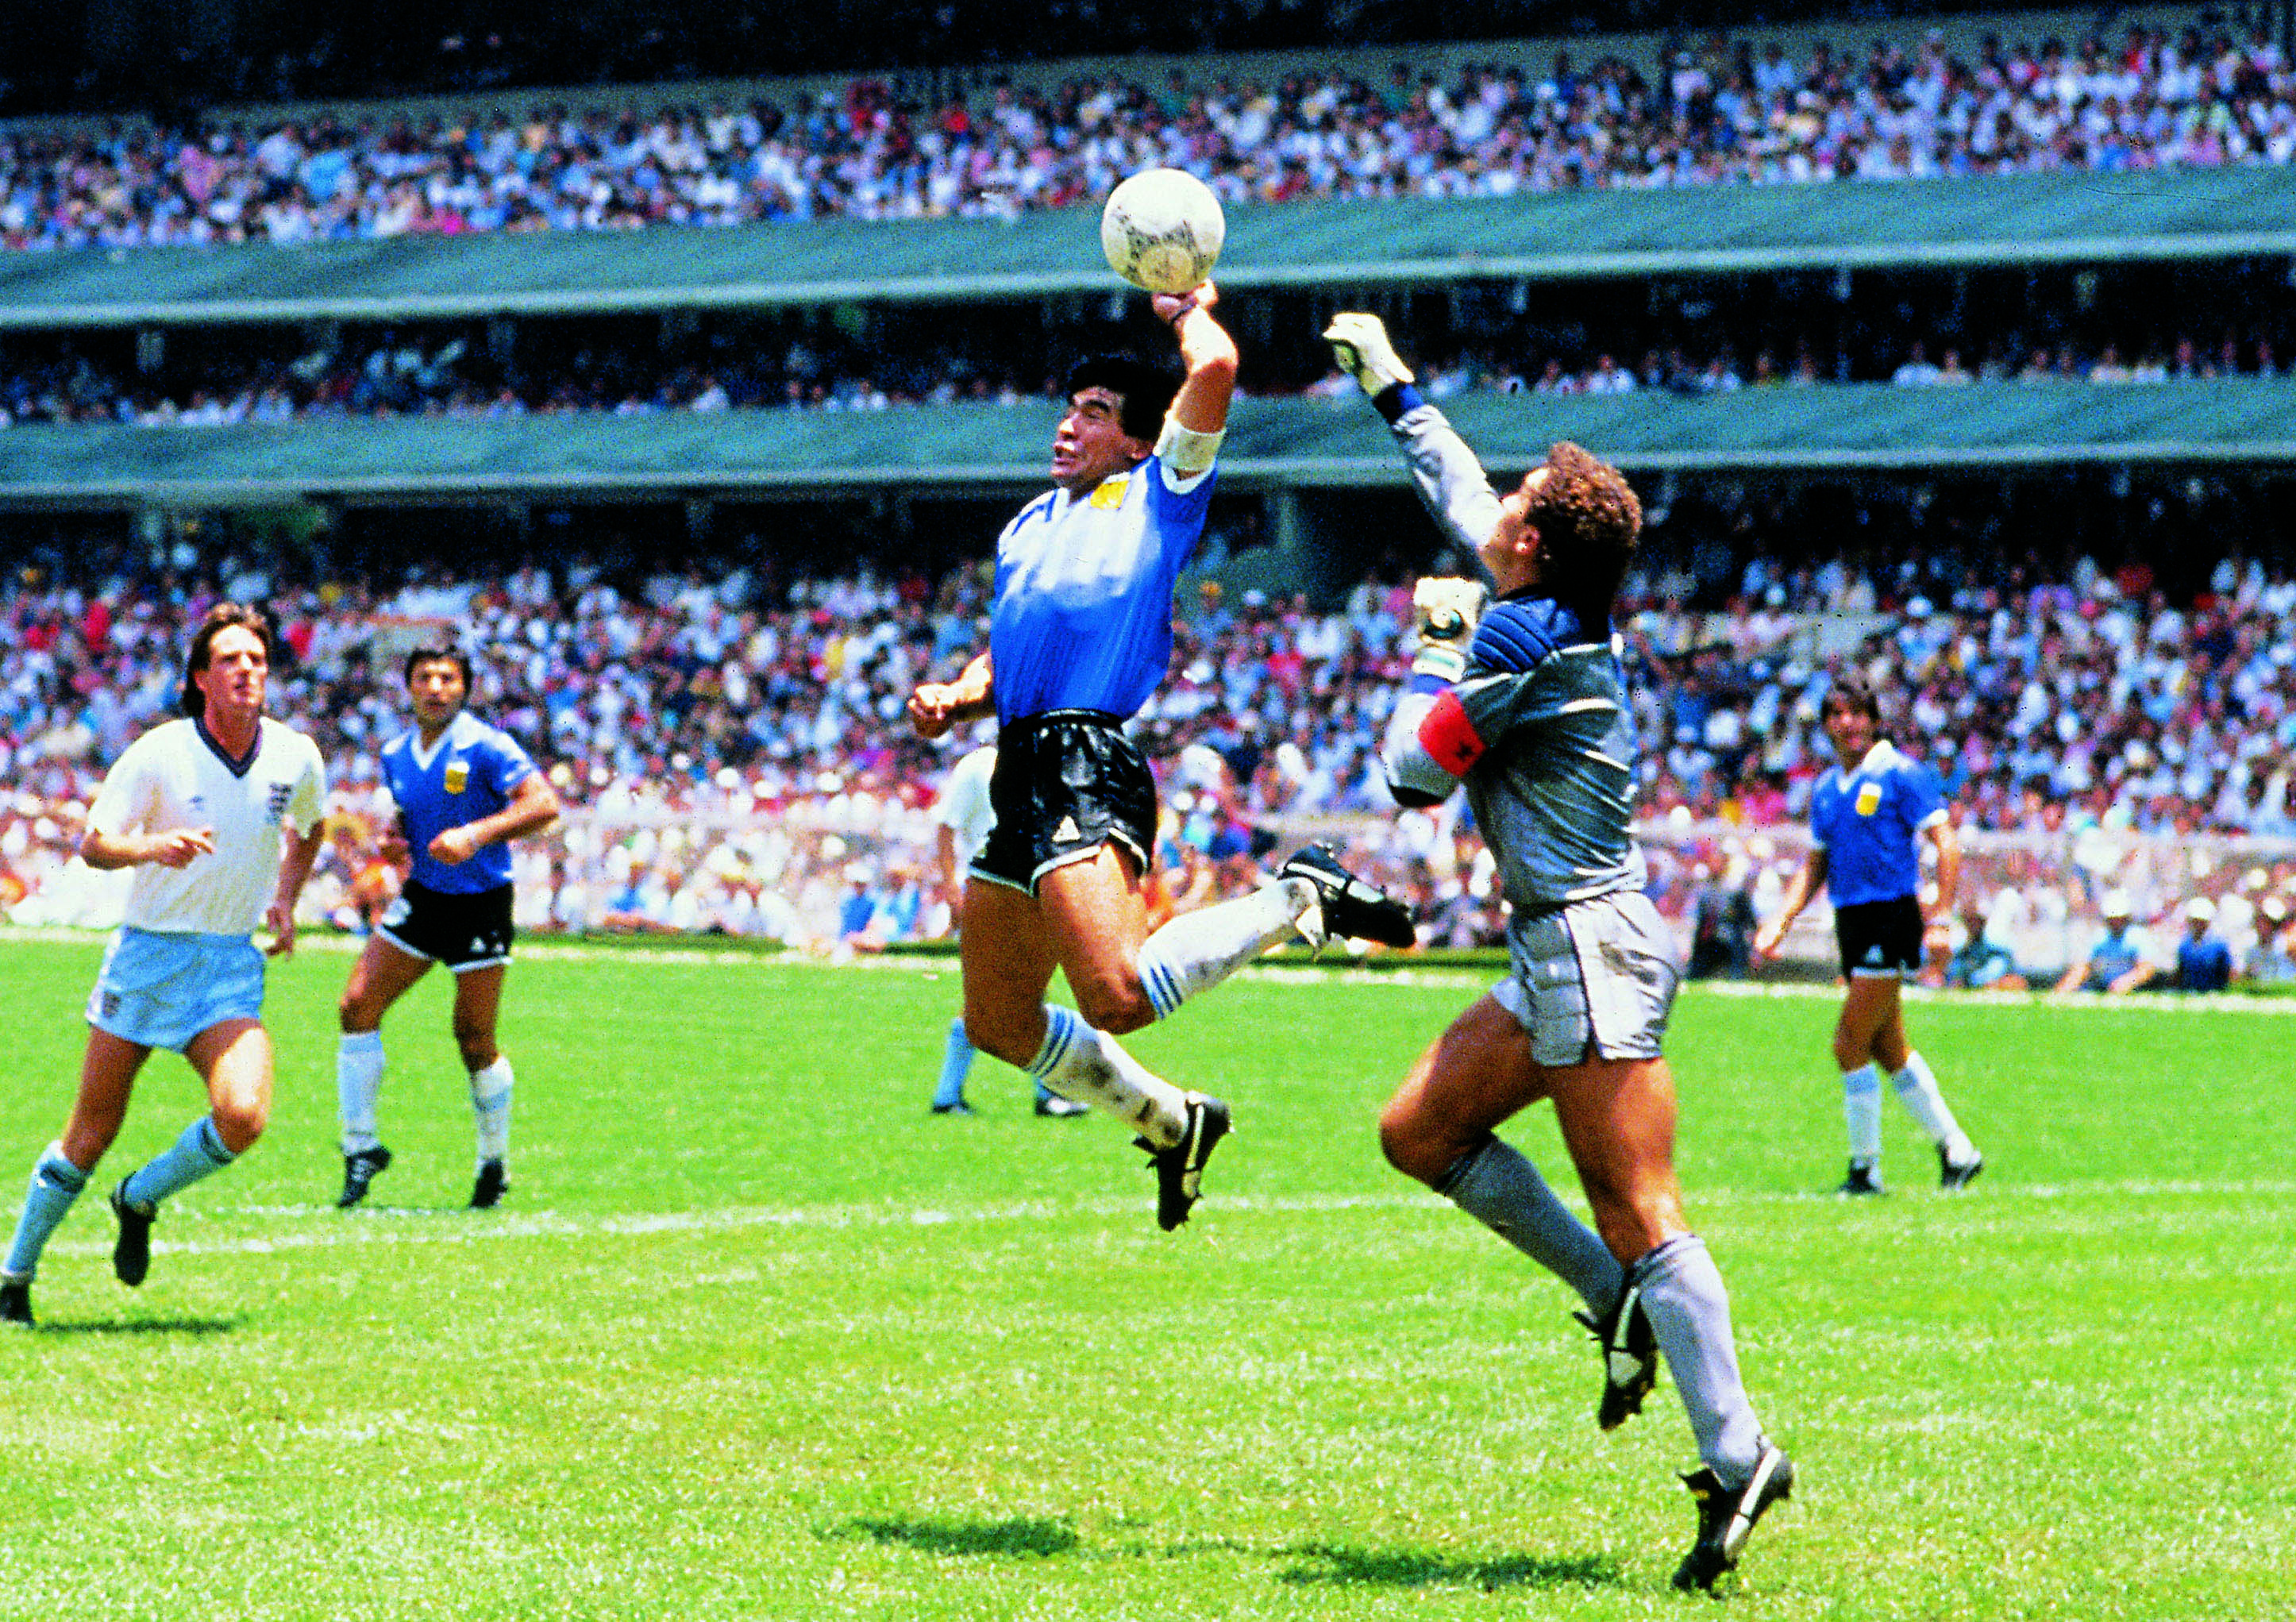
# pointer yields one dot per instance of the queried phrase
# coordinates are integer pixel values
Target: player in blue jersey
(1078, 638)
(1867, 818)
(465, 790)
(1527, 711)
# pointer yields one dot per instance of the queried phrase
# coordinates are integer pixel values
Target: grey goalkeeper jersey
(1538, 729)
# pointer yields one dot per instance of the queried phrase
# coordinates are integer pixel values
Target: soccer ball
(1162, 230)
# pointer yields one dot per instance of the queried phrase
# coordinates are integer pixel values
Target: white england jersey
(174, 777)
(964, 808)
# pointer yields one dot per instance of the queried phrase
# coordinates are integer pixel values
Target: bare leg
(1438, 1128)
(108, 1068)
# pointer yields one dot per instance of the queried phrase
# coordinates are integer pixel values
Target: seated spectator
(2272, 959)
(2203, 959)
(1982, 964)
(2121, 962)
(1722, 926)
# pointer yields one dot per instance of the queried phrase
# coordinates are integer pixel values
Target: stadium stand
(2159, 99)
(370, 315)
(745, 727)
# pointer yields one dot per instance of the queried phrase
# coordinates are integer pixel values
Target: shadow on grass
(1345, 1567)
(1010, 1538)
(141, 1326)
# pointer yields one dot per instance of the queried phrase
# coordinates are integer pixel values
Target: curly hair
(1589, 522)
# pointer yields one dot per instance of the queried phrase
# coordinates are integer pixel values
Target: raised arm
(1209, 353)
(1448, 476)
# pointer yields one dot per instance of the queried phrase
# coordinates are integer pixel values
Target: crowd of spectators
(448, 375)
(732, 744)
(1721, 114)
(368, 47)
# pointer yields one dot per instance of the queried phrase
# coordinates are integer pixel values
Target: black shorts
(464, 933)
(1066, 781)
(1880, 938)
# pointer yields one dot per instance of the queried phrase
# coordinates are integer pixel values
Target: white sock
(1861, 1106)
(1080, 1062)
(1917, 1090)
(490, 1090)
(359, 1083)
(1198, 950)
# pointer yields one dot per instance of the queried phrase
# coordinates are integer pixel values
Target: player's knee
(240, 1122)
(1850, 1052)
(1000, 1038)
(1116, 1008)
(359, 1009)
(1412, 1150)
(477, 1043)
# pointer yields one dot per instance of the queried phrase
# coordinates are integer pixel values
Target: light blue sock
(198, 1153)
(56, 1183)
(956, 1065)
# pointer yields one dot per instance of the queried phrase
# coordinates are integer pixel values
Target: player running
(465, 790)
(196, 807)
(1079, 635)
(964, 817)
(1867, 817)
(1531, 713)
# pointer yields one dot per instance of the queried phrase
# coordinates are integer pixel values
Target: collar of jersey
(1875, 759)
(445, 736)
(239, 765)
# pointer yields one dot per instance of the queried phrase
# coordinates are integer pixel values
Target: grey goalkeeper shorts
(1600, 972)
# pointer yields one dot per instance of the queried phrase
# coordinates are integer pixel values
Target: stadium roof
(2023, 219)
(988, 448)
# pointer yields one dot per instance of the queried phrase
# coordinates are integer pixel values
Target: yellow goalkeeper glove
(1359, 345)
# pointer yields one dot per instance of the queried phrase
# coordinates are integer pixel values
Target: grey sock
(1690, 1314)
(1504, 1192)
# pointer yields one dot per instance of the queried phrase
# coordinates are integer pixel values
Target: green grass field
(757, 1337)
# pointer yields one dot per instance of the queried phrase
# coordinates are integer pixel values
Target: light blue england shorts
(163, 990)
(1597, 975)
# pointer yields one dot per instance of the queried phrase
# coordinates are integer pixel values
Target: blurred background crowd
(1715, 111)
(730, 738)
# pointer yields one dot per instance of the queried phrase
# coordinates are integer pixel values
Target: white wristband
(1185, 451)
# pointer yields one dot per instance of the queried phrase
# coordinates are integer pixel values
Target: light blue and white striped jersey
(1866, 819)
(1084, 592)
(468, 774)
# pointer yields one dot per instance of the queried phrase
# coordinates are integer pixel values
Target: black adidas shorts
(464, 933)
(1880, 938)
(1066, 781)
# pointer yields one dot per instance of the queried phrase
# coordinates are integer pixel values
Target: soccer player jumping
(465, 790)
(1078, 638)
(1528, 710)
(196, 806)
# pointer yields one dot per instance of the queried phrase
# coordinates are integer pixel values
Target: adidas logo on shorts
(1068, 833)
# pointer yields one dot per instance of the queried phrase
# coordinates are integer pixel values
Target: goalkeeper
(1525, 703)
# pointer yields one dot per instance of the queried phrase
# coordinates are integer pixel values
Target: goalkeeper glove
(1359, 345)
(1445, 610)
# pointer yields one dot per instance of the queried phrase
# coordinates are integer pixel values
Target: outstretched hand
(1170, 308)
(1361, 349)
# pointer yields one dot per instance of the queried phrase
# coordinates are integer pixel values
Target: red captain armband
(1449, 737)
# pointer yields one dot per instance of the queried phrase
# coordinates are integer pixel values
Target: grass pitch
(756, 1337)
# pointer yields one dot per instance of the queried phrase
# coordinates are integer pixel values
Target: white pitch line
(454, 1227)
(548, 951)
